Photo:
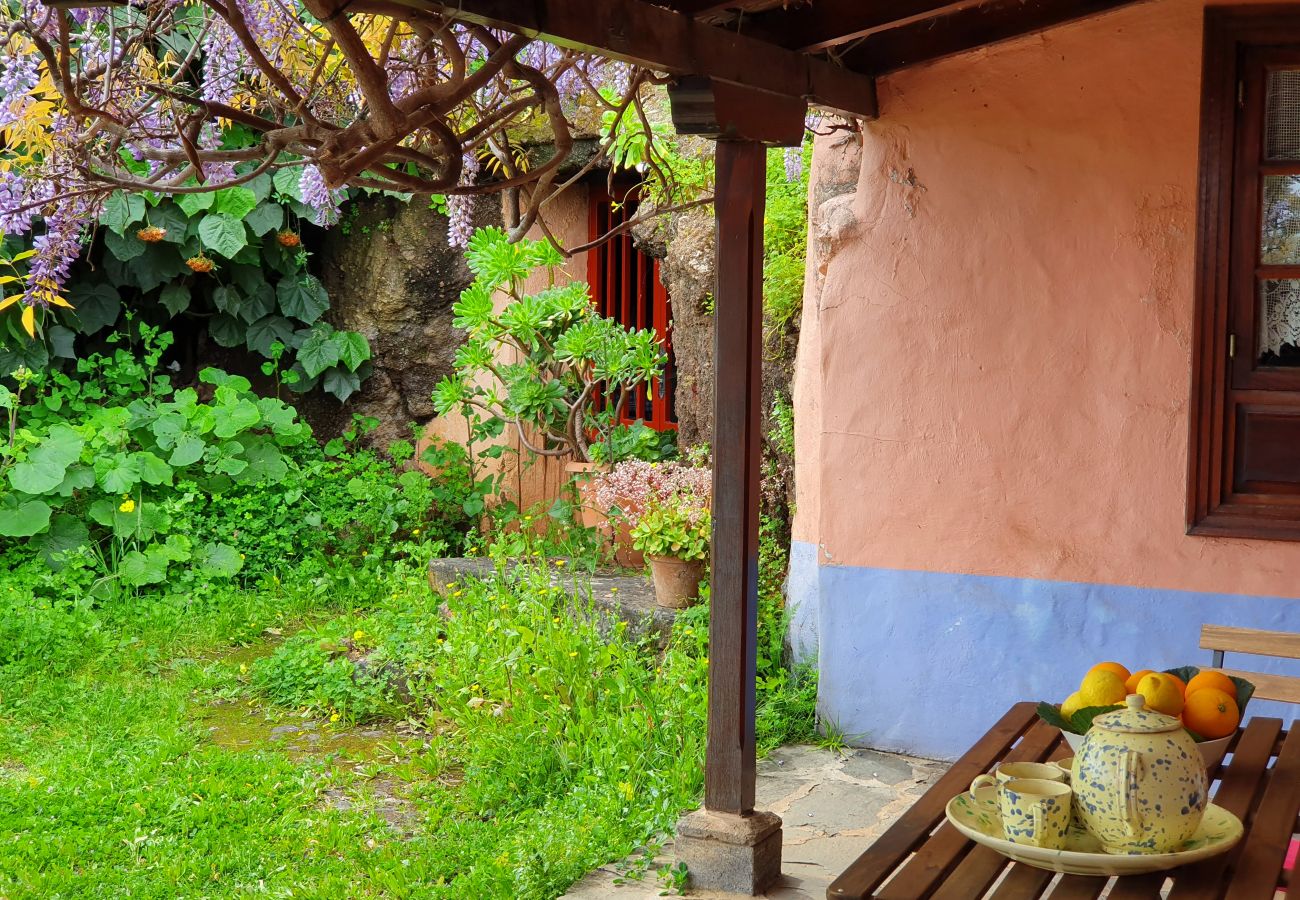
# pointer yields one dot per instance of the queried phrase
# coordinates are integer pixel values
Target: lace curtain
(1279, 317)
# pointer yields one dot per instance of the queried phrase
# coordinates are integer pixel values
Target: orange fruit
(1182, 685)
(1132, 684)
(1115, 667)
(1211, 713)
(1163, 693)
(1209, 678)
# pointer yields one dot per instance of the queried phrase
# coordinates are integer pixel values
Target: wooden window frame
(1222, 387)
(662, 399)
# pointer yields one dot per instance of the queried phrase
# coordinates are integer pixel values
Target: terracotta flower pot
(677, 581)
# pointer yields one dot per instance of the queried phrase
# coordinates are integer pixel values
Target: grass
(522, 748)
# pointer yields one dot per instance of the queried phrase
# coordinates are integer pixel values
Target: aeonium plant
(540, 361)
(678, 526)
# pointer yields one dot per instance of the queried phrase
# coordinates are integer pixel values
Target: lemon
(1163, 693)
(1072, 704)
(1102, 687)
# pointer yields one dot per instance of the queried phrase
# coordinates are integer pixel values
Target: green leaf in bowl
(1051, 714)
(1082, 718)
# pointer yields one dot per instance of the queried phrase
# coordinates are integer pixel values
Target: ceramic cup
(1066, 766)
(1010, 771)
(1035, 812)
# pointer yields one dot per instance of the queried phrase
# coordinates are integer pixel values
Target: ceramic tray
(978, 818)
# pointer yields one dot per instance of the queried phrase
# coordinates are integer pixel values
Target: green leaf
(235, 202)
(121, 210)
(302, 297)
(124, 247)
(220, 560)
(189, 450)
(172, 220)
(117, 474)
(260, 186)
(23, 519)
(287, 182)
(193, 204)
(266, 331)
(96, 305)
(1082, 718)
(227, 299)
(226, 330)
(267, 217)
(62, 341)
(48, 462)
(175, 298)
(229, 420)
(259, 303)
(153, 470)
(67, 532)
(354, 349)
(319, 352)
(341, 383)
(223, 234)
(138, 569)
(1051, 714)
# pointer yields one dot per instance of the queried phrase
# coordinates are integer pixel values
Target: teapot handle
(1130, 771)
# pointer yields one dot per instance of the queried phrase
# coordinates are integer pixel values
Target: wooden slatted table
(922, 857)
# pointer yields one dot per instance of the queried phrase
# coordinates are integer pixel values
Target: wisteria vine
(185, 96)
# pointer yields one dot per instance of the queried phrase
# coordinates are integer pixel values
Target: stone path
(833, 805)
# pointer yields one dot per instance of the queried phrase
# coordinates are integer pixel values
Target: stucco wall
(993, 376)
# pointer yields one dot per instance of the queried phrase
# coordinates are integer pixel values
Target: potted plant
(673, 533)
(624, 491)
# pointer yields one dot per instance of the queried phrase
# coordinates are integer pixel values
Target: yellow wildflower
(358, 635)
(415, 531)
(560, 563)
(573, 653)
(334, 717)
(128, 506)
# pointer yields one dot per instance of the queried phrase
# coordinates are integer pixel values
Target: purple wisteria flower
(56, 250)
(793, 159)
(324, 202)
(460, 207)
(18, 75)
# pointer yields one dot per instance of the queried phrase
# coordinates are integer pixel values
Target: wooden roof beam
(641, 33)
(965, 29)
(824, 24)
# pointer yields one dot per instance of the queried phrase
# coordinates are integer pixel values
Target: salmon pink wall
(993, 377)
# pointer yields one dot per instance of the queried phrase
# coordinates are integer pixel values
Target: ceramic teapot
(1139, 781)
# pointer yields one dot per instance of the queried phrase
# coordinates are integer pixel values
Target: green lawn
(520, 751)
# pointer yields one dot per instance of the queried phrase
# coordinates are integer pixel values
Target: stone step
(616, 595)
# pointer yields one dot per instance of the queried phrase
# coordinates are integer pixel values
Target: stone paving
(833, 805)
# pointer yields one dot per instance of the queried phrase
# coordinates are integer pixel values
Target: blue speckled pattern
(1139, 781)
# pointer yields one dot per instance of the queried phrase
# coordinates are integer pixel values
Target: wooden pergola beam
(638, 32)
(965, 29)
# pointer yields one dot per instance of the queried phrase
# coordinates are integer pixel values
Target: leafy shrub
(232, 259)
(562, 356)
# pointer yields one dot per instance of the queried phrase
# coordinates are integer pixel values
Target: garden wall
(992, 388)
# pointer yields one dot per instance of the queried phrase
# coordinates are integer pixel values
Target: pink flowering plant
(633, 487)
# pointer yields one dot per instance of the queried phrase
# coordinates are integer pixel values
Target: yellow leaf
(29, 320)
(10, 300)
(26, 254)
(6, 279)
(59, 301)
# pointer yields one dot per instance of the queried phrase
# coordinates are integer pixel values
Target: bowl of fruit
(1209, 703)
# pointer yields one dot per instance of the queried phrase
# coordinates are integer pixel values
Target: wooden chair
(1221, 638)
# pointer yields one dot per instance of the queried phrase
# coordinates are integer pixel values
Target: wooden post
(729, 845)
(741, 179)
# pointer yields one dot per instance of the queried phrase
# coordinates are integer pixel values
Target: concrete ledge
(616, 595)
(725, 852)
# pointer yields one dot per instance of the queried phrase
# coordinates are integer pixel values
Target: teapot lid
(1135, 718)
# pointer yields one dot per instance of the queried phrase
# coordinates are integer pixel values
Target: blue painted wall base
(925, 662)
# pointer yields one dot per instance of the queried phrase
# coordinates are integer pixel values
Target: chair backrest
(1220, 638)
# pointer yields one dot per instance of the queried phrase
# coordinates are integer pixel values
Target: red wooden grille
(625, 286)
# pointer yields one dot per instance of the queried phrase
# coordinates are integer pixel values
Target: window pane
(1282, 116)
(1279, 239)
(1279, 322)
